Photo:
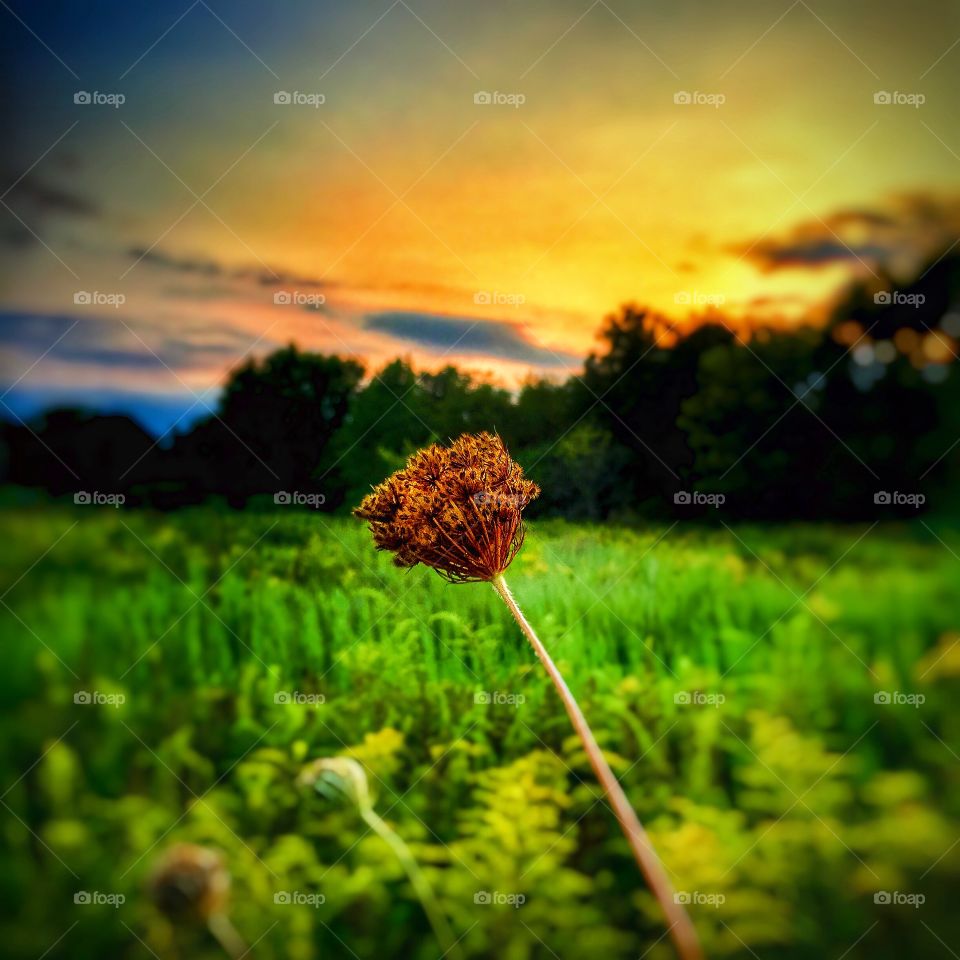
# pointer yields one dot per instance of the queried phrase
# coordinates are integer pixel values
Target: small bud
(339, 776)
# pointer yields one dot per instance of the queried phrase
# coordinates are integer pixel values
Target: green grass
(795, 799)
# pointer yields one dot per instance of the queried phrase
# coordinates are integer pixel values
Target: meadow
(776, 701)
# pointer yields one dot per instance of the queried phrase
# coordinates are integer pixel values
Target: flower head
(190, 881)
(456, 509)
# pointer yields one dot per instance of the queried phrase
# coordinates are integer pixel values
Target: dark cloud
(45, 197)
(35, 200)
(208, 268)
(815, 253)
(104, 342)
(211, 291)
(467, 335)
(899, 234)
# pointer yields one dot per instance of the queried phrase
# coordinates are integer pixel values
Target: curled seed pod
(190, 882)
(457, 509)
(339, 777)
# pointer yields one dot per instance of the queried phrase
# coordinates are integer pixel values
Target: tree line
(833, 421)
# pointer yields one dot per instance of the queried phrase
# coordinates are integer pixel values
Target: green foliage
(795, 798)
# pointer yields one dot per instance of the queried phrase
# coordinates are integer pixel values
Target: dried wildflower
(191, 883)
(456, 509)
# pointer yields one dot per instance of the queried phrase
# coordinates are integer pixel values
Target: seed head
(456, 509)
(190, 881)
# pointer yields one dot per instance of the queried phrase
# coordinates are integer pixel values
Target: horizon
(500, 195)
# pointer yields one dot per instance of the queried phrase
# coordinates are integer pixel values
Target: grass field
(731, 674)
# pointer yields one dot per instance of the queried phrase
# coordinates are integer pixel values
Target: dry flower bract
(456, 509)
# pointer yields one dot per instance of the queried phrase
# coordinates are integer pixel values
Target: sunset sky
(401, 217)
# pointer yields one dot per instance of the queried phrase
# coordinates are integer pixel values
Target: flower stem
(421, 886)
(226, 935)
(680, 928)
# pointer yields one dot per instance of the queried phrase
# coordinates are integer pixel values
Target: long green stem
(680, 928)
(421, 886)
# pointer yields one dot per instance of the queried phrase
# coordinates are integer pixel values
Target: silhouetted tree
(275, 420)
(69, 451)
(805, 423)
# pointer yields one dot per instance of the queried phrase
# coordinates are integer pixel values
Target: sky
(188, 184)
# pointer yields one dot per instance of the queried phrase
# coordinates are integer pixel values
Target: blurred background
(698, 266)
